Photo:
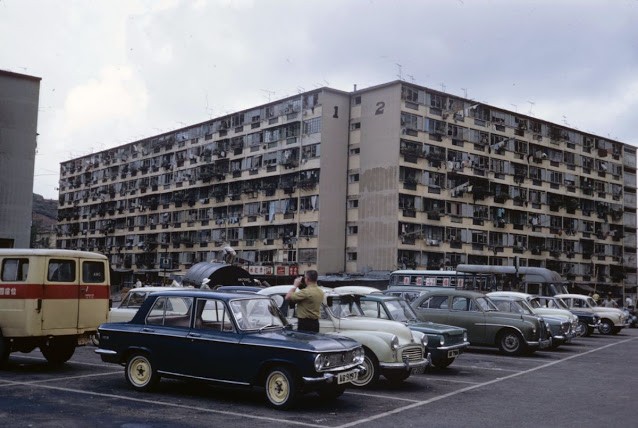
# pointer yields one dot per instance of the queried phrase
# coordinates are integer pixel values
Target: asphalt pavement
(589, 383)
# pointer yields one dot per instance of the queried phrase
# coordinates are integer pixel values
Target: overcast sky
(118, 71)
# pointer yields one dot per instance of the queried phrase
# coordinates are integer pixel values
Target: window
(93, 272)
(61, 271)
(15, 269)
(435, 302)
(355, 151)
(353, 178)
(354, 126)
(353, 203)
(460, 303)
(171, 311)
(373, 309)
(353, 230)
(357, 100)
(312, 126)
(212, 315)
(352, 256)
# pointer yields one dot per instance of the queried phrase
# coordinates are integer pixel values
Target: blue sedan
(227, 338)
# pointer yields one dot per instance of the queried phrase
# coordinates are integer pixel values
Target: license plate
(453, 353)
(347, 377)
(417, 370)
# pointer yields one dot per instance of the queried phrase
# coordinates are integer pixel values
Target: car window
(212, 314)
(255, 314)
(435, 302)
(171, 311)
(410, 296)
(460, 303)
(15, 269)
(61, 271)
(482, 304)
(502, 305)
(373, 309)
(134, 299)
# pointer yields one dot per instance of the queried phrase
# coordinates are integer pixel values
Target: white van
(51, 299)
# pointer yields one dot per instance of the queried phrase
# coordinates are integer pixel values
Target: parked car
(228, 338)
(612, 320)
(513, 334)
(587, 321)
(445, 342)
(562, 322)
(391, 348)
(518, 305)
(132, 301)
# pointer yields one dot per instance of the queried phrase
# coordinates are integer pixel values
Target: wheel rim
(511, 343)
(581, 330)
(605, 328)
(278, 387)
(367, 376)
(140, 371)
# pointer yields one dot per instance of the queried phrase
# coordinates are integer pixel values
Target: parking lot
(590, 382)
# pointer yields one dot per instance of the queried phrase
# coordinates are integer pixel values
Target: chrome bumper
(328, 377)
(451, 347)
(541, 344)
(408, 365)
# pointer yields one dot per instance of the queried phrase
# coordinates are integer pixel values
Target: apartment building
(19, 99)
(391, 176)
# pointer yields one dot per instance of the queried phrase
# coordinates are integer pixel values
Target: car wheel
(58, 350)
(140, 373)
(605, 327)
(582, 329)
(4, 351)
(331, 392)
(281, 388)
(510, 342)
(370, 374)
(441, 363)
(397, 376)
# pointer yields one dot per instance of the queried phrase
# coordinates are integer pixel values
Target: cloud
(117, 94)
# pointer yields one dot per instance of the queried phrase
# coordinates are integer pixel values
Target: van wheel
(58, 350)
(4, 351)
(140, 373)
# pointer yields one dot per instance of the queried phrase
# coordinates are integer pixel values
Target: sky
(118, 71)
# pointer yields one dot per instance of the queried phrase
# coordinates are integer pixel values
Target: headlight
(465, 336)
(320, 361)
(359, 355)
(442, 340)
(424, 340)
(394, 343)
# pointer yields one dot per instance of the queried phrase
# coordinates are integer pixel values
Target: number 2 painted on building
(380, 107)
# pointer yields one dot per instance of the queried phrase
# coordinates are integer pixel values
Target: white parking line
(486, 368)
(470, 388)
(385, 397)
(443, 379)
(167, 404)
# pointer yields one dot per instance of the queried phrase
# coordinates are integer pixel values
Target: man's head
(311, 275)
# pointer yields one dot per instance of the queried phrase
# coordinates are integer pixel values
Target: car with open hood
(391, 348)
(232, 339)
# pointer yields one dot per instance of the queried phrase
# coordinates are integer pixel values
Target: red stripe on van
(57, 291)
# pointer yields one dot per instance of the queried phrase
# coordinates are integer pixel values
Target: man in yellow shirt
(308, 297)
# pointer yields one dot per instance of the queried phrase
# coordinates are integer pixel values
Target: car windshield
(485, 304)
(524, 306)
(400, 310)
(256, 314)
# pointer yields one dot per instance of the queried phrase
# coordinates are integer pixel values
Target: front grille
(338, 359)
(453, 339)
(412, 354)
(566, 326)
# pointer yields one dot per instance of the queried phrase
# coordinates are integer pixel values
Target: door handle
(148, 330)
(194, 335)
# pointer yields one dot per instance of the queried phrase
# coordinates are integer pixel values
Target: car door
(433, 307)
(60, 302)
(464, 312)
(165, 333)
(212, 350)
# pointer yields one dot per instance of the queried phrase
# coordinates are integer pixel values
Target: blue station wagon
(227, 338)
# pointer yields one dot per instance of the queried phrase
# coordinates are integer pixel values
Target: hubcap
(278, 388)
(511, 342)
(140, 371)
(366, 375)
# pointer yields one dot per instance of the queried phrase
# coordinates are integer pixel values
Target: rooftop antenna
(464, 92)
(442, 87)
(411, 77)
(400, 68)
(269, 94)
(565, 120)
(531, 105)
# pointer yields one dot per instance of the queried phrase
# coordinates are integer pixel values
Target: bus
(484, 278)
(531, 280)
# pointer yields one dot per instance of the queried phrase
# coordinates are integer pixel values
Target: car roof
(356, 289)
(156, 288)
(196, 292)
(509, 293)
(453, 292)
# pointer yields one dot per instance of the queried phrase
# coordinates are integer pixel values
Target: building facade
(19, 99)
(391, 176)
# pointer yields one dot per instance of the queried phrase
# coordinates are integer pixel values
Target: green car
(445, 342)
(513, 334)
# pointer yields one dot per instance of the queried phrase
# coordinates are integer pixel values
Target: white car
(612, 320)
(132, 301)
(391, 348)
